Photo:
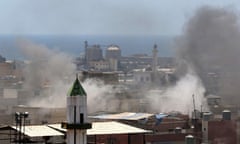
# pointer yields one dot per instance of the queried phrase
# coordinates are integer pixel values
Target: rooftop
(111, 127)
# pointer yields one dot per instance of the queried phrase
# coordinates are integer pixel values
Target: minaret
(154, 58)
(76, 124)
(86, 53)
(154, 61)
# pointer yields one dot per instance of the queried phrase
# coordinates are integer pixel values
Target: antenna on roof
(194, 108)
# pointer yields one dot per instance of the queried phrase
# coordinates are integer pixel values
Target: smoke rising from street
(47, 72)
(100, 96)
(52, 74)
(179, 97)
(208, 56)
(210, 45)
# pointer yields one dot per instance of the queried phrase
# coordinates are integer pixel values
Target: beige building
(113, 64)
(100, 65)
(9, 69)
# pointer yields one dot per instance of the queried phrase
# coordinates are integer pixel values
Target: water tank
(207, 116)
(226, 114)
(113, 52)
(178, 130)
(189, 139)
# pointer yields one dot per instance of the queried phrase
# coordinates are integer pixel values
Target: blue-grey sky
(100, 17)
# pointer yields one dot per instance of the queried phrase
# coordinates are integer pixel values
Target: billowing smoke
(179, 97)
(208, 57)
(45, 65)
(51, 73)
(46, 74)
(99, 96)
(210, 45)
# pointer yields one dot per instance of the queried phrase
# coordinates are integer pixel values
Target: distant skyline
(100, 17)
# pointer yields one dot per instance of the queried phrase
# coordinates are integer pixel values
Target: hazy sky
(100, 17)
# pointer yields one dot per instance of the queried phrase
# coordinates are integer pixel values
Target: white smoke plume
(179, 97)
(47, 73)
(100, 96)
(45, 65)
(52, 73)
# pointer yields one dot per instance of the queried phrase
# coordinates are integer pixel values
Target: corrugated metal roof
(123, 116)
(57, 127)
(39, 131)
(101, 128)
(98, 128)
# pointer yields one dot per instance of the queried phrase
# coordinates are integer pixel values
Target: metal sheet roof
(57, 127)
(39, 131)
(98, 128)
(101, 128)
(123, 116)
(160, 116)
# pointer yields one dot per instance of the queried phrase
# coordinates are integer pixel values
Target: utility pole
(20, 119)
(194, 108)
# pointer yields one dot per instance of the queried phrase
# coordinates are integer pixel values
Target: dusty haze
(53, 73)
(179, 97)
(210, 43)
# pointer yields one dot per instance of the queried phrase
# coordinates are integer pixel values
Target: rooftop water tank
(178, 130)
(226, 115)
(207, 116)
(189, 139)
(113, 52)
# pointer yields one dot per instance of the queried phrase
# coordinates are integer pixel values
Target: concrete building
(113, 52)
(106, 77)
(99, 65)
(10, 74)
(93, 53)
(11, 68)
(147, 76)
(113, 64)
(142, 76)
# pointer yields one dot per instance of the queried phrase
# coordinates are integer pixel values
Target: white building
(142, 76)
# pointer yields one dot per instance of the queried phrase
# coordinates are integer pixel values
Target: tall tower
(76, 124)
(86, 58)
(154, 61)
(154, 58)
